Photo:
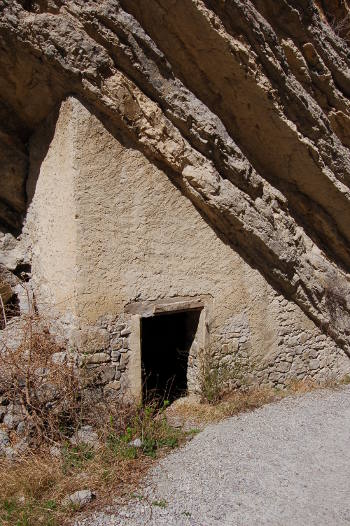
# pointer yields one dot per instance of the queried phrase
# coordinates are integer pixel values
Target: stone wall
(299, 352)
(104, 354)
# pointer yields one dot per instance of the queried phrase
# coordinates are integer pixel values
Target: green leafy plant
(160, 503)
(217, 377)
(213, 377)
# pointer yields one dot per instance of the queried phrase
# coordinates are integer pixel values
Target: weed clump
(33, 490)
(44, 395)
(216, 377)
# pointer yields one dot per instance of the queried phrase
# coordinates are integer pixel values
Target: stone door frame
(139, 310)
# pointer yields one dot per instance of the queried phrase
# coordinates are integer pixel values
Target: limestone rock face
(244, 104)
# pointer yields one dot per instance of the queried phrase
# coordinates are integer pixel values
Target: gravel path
(285, 464)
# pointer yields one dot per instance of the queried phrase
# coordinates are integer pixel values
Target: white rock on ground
(85, 435)
(286, 464)
(79, 498)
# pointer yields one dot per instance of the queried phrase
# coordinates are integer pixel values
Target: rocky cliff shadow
(38, 150)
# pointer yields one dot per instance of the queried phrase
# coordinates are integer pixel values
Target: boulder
(79, 499)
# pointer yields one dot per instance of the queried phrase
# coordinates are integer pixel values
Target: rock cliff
(244, 104)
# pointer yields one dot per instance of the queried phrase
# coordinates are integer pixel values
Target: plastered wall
(51, 223)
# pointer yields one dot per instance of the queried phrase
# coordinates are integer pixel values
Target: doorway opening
(166, 340)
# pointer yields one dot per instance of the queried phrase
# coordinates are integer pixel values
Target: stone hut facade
(130, 271)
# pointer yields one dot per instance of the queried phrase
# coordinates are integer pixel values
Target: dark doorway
(166, 340)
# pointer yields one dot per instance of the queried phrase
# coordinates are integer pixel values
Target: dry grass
(239, 401)
(47, 395)
(32, 489)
